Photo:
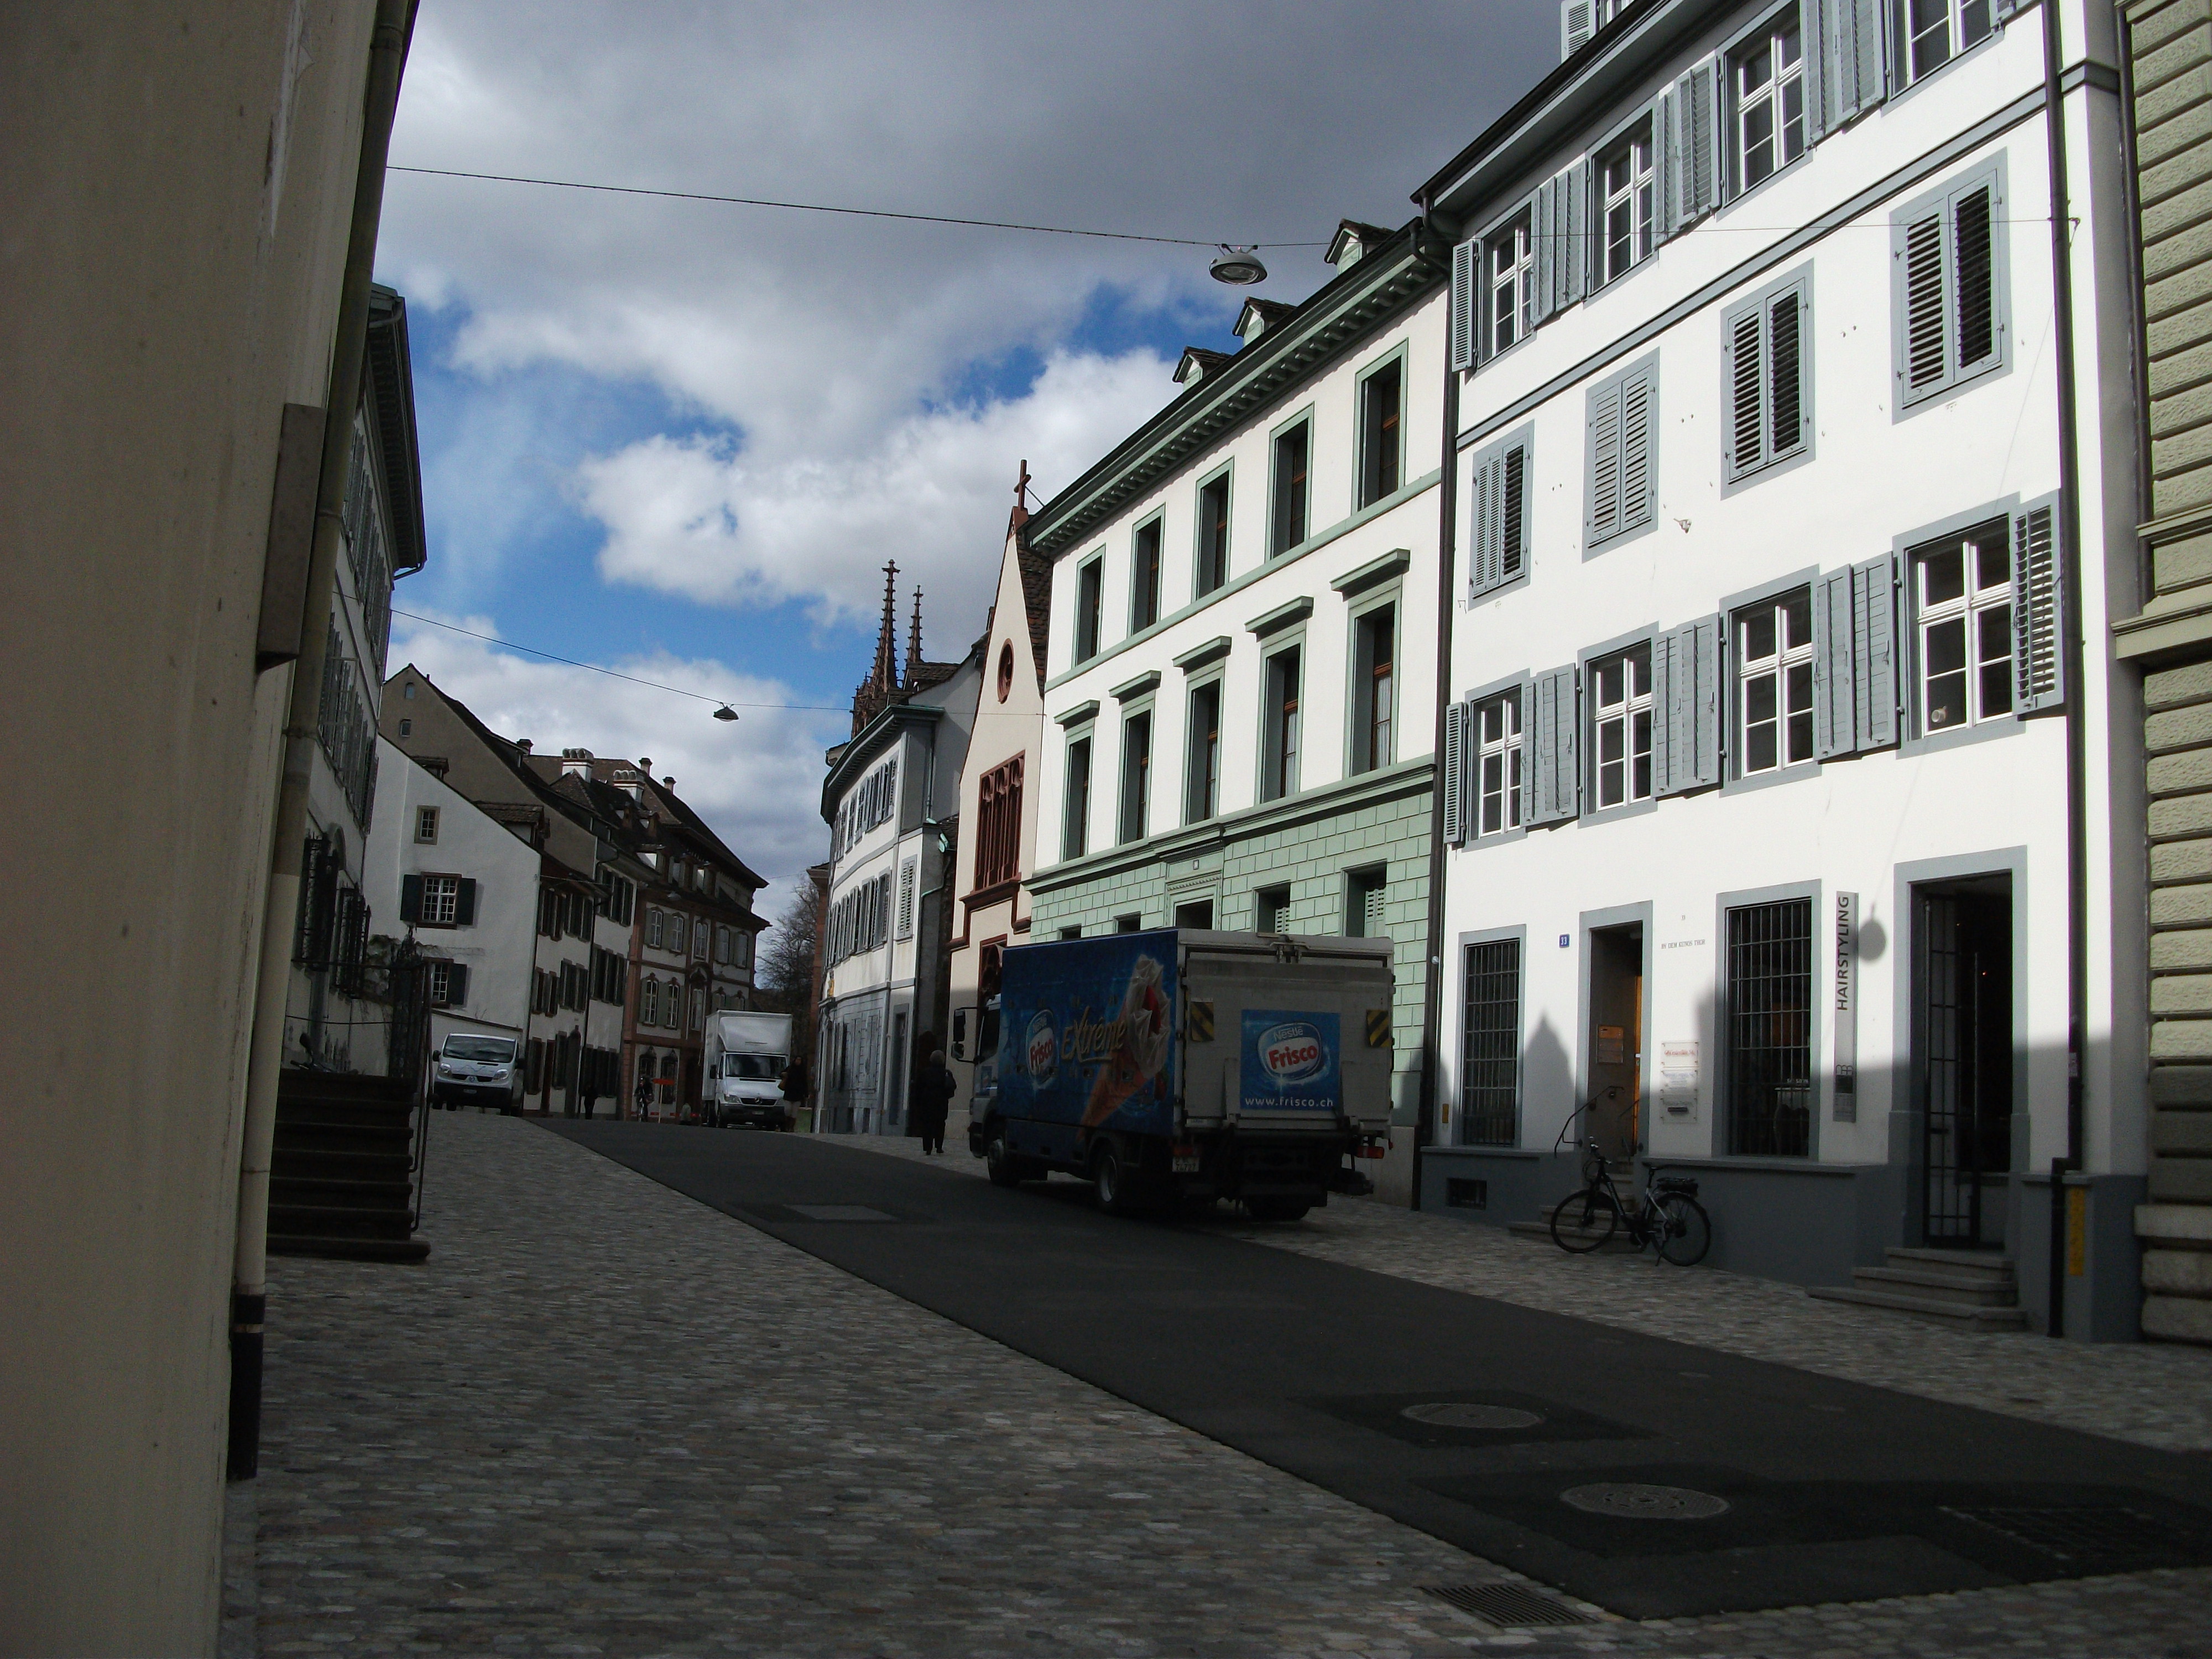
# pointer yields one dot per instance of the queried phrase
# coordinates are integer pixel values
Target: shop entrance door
(1616, 1040)
(1963, 1058)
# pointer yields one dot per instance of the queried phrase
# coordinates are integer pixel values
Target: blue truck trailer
(1186, 1064)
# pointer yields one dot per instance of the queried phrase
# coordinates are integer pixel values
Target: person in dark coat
(928, 1102)
(792, 1083)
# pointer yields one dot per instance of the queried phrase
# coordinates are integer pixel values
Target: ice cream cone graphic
(1142, 1049)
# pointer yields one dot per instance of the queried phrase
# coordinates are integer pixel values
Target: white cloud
(756, 780)
(692, 516)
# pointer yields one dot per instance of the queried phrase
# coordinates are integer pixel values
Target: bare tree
(786, 981)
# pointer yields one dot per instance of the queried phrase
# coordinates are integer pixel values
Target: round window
(1006, 670)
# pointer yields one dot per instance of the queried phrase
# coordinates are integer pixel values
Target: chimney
(523, 743)
(669, 784)
(645, 764)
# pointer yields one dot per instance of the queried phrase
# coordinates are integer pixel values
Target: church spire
(913, 642)
(884, 676)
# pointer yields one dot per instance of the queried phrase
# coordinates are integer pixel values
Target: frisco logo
(1041, 1050)
(1292, 1052)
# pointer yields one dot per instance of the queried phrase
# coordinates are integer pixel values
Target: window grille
(1490, 1075)
(1770, 1029)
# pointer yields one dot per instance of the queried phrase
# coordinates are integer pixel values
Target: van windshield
(479, 1048)
(757, 1067)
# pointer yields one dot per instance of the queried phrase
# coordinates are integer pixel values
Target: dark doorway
(1962, 1054)
(1616, 1039)
(1199, 914)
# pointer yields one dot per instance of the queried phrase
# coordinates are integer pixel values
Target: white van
(477, 1068)
(746, 1053)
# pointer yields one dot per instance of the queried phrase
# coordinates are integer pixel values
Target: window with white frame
(426, 823)
(655, 925)
(1620, 727)
(1936, 31)
(648, 1002)
(1766, 78)
(1498, 765)
(1511, 253)
(698, 1008)
(1962, 599)
(1628, 206)
(441, 900)
(1774, 684)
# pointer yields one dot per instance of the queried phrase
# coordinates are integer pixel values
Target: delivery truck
(1186, 1064)
(746, 1053)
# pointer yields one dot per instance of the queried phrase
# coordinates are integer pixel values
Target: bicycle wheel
(1584, 1221)
(1685, 1233)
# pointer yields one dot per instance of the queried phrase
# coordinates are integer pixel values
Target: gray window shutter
(1664, 167)
(1487, 523)
(410, 899)
(1639, 475)
(1466, 263)
(465, 904)
(1451, 774)
(1571, 266)
(1543, 230)
(1697, 100)
(1602, 517)
(1812, 30)
(1578, 22)
(2039, 613)
(1923, 355)
(1691, 711)
(1513, 512)
(1874, 654)
(1548, 762)
(1851, 56)
(1835, 728)
(1746, 446)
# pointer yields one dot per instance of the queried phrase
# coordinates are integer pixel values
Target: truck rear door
(1286, 1033)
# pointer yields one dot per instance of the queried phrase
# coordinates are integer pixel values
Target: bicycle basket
(1686, 1185)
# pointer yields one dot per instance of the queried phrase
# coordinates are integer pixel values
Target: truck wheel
(1001, 1165)
(1276, 1209)
(1109, 1179)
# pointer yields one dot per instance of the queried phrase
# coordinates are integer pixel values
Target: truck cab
(1183, 1065)
(746, 1053)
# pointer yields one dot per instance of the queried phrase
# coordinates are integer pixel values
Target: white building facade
(1777, 524)
(466, 887)
(892, 800)
(1241, 673)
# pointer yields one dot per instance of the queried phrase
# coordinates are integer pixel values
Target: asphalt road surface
(1657, 1479)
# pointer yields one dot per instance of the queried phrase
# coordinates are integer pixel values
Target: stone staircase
(341, 1180)
(1624, 1178)
(1968, 1289)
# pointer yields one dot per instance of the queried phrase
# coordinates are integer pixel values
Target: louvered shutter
(1548, 758)
(1788, 415)
(1578, 22)
(2039, 613)
(1543, 231)
(457, 984)
(1466, 263)
(1572, 263)
(1972, 250)
(1697, 99)
(1705, 705)
(1640, 478)
(1691, 710)
(465, 904)
(1851, 57)
(1923, 355)
(1662, 701)
(1747, 379)
(1665, 166)
(1489, 549)
(1513, 512)
(410, 899)
(1874, 653)
(1451, 774)
(1603, 517)
(1835, 726)
(1812, 30)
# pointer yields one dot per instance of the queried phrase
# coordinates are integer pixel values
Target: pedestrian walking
(929, 1101)
(644, 1092)
(792, 1082)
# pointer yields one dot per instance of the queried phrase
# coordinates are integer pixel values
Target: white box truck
(1181, 1064)
(746, 1053)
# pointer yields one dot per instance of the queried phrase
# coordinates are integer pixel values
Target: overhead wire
(822, 207)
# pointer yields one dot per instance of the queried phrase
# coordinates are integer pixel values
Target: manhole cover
(1507, 1604)
(1452, 1416)
(838, 1212)
(1638, 1502)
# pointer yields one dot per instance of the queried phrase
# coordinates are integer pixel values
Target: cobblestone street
(605, 1419)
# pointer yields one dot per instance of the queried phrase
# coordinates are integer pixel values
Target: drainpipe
(1433, 1001)
(2070, 653)
(387, 54)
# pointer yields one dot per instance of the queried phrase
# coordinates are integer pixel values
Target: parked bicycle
(1669, 1218)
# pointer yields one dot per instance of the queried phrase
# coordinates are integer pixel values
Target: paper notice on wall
(1678, 1081)
(1846, 1097)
